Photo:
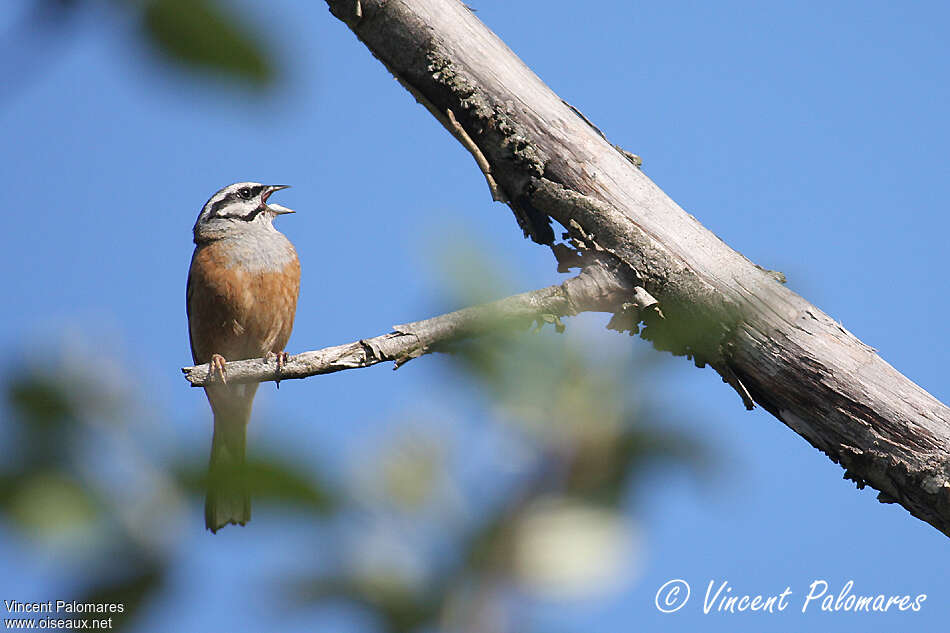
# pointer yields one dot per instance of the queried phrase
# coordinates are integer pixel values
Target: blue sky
(810, 136)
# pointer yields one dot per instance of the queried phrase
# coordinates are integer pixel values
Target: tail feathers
(228, 499)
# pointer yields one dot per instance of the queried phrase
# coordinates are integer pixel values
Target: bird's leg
(217, 365)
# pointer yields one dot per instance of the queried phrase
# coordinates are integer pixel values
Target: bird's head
(239, 206)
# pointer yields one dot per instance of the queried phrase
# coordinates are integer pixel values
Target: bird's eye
(245, 193)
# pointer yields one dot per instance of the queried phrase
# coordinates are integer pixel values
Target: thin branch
(594, 290)
(459, 132)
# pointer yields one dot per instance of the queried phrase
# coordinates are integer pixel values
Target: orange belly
(239, 313)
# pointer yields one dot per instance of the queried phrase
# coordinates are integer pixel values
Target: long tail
(228, 499)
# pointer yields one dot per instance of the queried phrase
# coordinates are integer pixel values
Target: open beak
(276, 209)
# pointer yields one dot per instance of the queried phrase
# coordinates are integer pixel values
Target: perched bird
(241, 300)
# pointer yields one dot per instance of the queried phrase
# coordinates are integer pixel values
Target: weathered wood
(547, 161)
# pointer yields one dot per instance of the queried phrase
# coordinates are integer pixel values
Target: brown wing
(235, 313)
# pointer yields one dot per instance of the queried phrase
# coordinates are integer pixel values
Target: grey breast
(258, 250)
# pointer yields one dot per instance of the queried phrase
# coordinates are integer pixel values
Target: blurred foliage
(559, 529)
(53, 493)
(200, 34)
(436, 534)
(271, 478)
(205, 36)
(48, 496)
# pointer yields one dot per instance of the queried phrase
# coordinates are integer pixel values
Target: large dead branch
(546, 161)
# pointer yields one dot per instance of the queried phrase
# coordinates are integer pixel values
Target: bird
(241, 300)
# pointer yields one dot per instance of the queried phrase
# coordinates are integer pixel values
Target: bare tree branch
(594, 290)
(542, 157)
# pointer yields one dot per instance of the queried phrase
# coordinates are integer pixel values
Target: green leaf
(278, 480)
(197, 33)
(39, 401)
(45, 416)
(51, 506)
(272, 480)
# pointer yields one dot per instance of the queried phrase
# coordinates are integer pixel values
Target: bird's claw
(216, 366)
(281, 357)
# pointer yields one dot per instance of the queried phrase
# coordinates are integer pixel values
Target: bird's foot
(281, 357)
(216, 366)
